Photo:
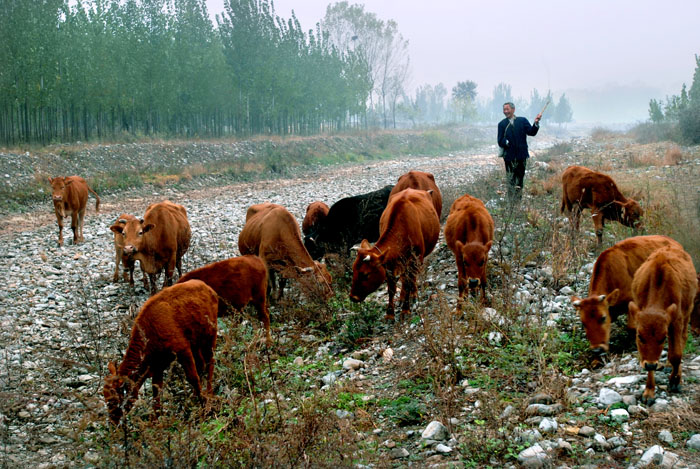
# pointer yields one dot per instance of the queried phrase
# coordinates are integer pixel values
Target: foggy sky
(609, 56)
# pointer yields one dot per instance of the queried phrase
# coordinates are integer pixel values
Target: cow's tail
(97, 202)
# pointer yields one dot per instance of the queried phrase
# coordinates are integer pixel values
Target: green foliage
(656, 114)
(405, 410)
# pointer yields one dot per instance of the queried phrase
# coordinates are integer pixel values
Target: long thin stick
(545, 106)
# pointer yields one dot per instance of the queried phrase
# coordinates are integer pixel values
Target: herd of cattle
(649, 278)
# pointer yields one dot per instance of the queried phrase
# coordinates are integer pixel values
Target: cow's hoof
(648, 400)
(390, 318)
(674, 387)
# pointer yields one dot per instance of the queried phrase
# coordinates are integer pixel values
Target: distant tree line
(433, 105)
(681, 111)
(104, 68)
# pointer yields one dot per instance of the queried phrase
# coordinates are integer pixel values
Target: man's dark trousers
(515, 172)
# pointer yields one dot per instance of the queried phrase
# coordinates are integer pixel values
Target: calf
(272, 233)
(664, 288)
(120, 258)
(610, 289)
(584, 188)
(469, 235)
(409, 230)
(69, 195)
(158, 241)
(177, 323)
(349, 221)
(422, 181)
(238, 281)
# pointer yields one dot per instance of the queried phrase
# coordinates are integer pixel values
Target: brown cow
(469, 235)
(583, 188)
(272, 233)
(158, 241)
(422, 181)
(69, 195)
(695, 315)
(315, 212)
(664, 288)
(238, 281)
(177, 323)
(409, 229)
(120, 258)
(610, 289)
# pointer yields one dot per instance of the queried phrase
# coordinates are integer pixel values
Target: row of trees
(434, 105)
(98, 68)
(682, 110)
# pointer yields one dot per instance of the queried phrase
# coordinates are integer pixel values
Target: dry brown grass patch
(673, 156)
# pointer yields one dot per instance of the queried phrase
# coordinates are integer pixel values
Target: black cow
(349, 221)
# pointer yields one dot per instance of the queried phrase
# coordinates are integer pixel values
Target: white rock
(298, 361)
(694, 442)
(353, 364)
(534, 456)
(625, 380)
(548, 425)
(653, 455)
(495, 338)
(666, 436)
(443, 449)
(435, 431)
(619, 415)
(609, 397)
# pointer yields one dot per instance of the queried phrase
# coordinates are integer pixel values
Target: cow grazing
(610, 289)
(664, 288)
(349, 221)
(238, 281)
(272, 233)
(69, 195)
(422, 181)
(158, 241)
(583, 188)
(409, 230)
(315, 213)
(177, 323)
(469, 235)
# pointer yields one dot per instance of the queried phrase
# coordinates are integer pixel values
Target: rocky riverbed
(62, 319)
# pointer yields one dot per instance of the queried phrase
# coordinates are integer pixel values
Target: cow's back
(171, 228)
(422, 181)
(76, 194)
(410, 218)
(667, 277)
(616, 266)
(469, 221)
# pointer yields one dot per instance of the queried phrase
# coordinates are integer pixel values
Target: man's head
(508, 109)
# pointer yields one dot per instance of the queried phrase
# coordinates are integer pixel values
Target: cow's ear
(487, 248)
(575, 301)
(112, 368)
(117, 228)
(671, 311)
(68, 183)
(148, 227)
(613, 296)
(365, 244)
(632, 313)
(50, 180)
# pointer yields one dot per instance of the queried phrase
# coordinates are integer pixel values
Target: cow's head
(132, 232)
(652, 328)
(58, 193)
(115, 393)
(368, 272)
(631, 213)
(594, 312)
(473, 257)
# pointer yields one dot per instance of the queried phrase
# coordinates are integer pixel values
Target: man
(512, 138)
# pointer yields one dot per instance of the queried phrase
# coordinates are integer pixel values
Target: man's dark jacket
(516, 134)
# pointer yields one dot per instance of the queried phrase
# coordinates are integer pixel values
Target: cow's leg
(461, 280)
(178, 265)
(157, 385)
(597, 216)
(153, 277)
(117, 263)
(676, 345)
(187, 361)
(282, 284)
(408, 282)
(81, 222)
(60, 229)
(391, 290)
(169, 271)
(264, 316)
(648, 395)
